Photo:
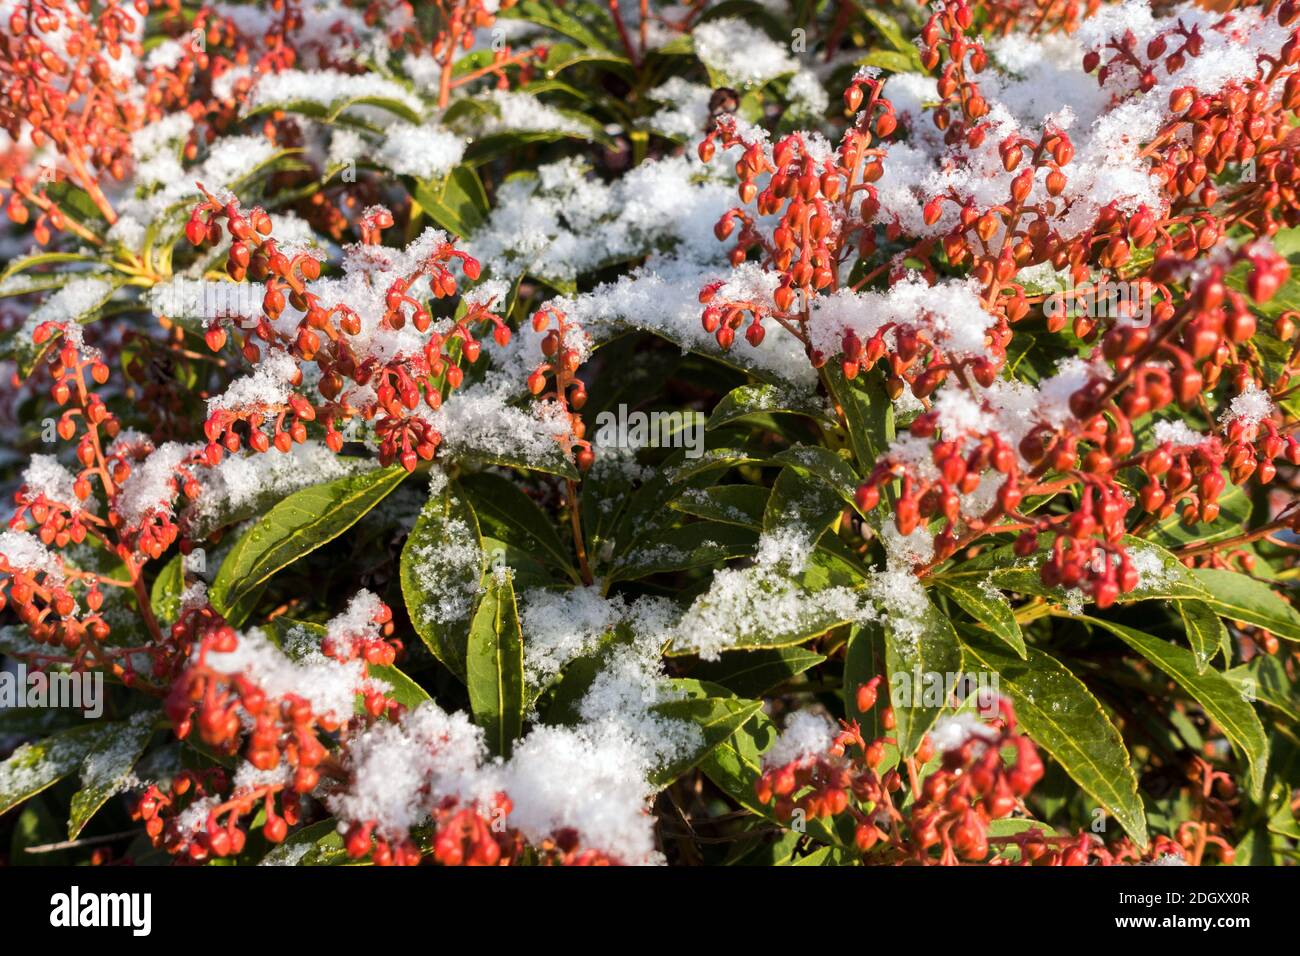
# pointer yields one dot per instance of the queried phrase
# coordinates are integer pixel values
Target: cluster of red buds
(826, 210)
(556, 378)
(153, 532)
(283, 733)
(186, 818)
(458, 20)
(462, 836)
(324, 336)
(1245, 122)
(284, 729)
(62, 79)
(972, 787)
(1039, 16)
(45, 598)
(947, 821)
(951, 808)
(944, 38)
(961, 466)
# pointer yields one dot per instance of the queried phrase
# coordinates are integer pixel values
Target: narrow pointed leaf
(1222, 701)
(295, 527)
(442, 566)
(495, 666)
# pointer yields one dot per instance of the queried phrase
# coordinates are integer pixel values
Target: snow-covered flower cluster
(311, 310)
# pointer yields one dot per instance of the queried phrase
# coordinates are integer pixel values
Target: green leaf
(928, 646)
(868, 412)
(295, 527)
(767, 609)
(319, 844)
(333, 111)
(1222, 701)
(1234, 514)
(752, 673)
(1204, 630)
(26, 263)
(689, 546)
(106, 769)
(717, 719)
(441, 568)
(165, 594)
(553, 461)
(560, 20)
(458, 203)
(1242, 598)
(890, 30)
(495, 666)
(713, 459)
(403, 689)
(741, 505)
(763, 399)
(42, 763)
(200, 522)
(990, 610)
(1265, 679)
(504, 511)
(864, 659)
(1060, 714)
(822, 463)
(803, 503)
(25, 352)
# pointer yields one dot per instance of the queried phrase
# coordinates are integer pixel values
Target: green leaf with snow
(441, 569)
(765, 606)
(801, 506)
(295, 527)
(494, 666)
(318, 844)
(748, 401)
(716, 718)
(741, 505)
(692, 545)
(42, 763)
(917, 642)
(106, 769)
(754, 673)
(830, 467)
(1062, 716)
